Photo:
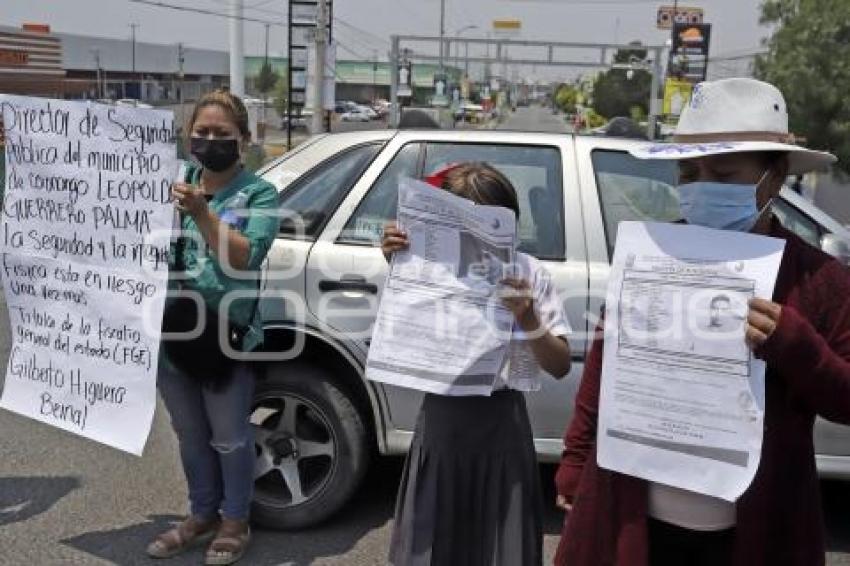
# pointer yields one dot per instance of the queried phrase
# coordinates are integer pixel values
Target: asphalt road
(535, 119)
(64, 500)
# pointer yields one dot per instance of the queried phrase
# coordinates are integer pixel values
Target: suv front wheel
(311, 446)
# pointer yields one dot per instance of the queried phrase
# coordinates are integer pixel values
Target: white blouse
(690, 510)
(521, 370)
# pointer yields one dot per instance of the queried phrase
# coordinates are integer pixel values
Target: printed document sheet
(682, 396)
(440, 326)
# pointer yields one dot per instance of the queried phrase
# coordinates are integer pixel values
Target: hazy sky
(371, 22)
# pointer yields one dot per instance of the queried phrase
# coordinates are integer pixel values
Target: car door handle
(348, 284)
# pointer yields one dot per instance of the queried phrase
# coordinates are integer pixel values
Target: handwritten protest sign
(83, 258)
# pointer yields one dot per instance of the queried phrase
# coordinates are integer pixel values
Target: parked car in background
(382, 107)
(132, 102)
(362, 108)
(469, 112)
(299, 122)
(355, 116)
(621, 127)
(318, 422)
(343, 106)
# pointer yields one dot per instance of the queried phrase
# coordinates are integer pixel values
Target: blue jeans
(216, 439)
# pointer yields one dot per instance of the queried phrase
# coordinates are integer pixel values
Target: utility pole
(133, 63)
(266, 52)
(96, 53)
(265, 94)
(181, 57)
(374, 71)
(487, 64)
(395, 61)
(237, 49)
(442, 31)
(654, 111)
(319, 78)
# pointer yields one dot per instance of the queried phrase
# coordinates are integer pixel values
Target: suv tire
(324, 455)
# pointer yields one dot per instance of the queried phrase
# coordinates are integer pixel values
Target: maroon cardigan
(779, 518)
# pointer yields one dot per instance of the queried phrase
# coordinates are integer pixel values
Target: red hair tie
(438, 177)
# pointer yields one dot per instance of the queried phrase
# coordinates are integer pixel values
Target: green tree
(616, 92)
(594, 119)
(281, 94)
(566, 97)
(266, 79)
(808, 59)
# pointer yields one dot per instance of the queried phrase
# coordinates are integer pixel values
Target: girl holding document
(470, 494)
(734, 152)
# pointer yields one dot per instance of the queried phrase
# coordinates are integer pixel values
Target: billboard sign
(689, 52)
(677, 94)
(668, 15)
(507, 27)
(307, 14)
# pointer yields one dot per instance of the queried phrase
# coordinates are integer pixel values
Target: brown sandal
(229, 544)
(184, 536)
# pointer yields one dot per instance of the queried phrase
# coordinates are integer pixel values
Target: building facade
(35, 61)
(31, 62)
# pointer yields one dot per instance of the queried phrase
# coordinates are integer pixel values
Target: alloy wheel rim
(296, 450)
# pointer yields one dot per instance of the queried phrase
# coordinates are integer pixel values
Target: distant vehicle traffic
(348, 107)
(382, 107)
(355, 116)
(299, 122)
(132, 103)
(363, 109)
(469, 112)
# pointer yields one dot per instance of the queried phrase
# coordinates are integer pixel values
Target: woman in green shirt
(229, 221)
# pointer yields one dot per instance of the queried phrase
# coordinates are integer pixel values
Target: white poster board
(83, 257)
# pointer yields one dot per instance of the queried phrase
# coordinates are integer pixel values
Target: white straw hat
(735, 116)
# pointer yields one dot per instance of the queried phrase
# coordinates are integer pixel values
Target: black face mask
(215, 155)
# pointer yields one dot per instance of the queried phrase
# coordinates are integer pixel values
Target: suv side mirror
(837, 247)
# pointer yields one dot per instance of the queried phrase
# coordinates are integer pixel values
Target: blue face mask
(725, 206)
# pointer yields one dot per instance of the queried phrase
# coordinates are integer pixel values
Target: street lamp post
(374, 72)
(96, 53)
(457, 47)
(237, 48)
(265, 94)
(133, 61)
(319, 74)
(181, 75)
(442, 31)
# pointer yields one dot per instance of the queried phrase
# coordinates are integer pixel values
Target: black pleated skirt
(470, 494)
